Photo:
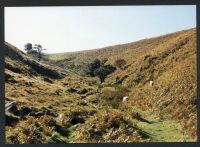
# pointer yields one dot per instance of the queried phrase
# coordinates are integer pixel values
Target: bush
(28, 47)
(120, 63)
(97, 68)
(93, 66)
(113, 96)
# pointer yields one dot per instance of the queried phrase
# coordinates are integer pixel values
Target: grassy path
(163, 131)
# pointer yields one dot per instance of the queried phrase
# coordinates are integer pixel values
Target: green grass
(164, 131)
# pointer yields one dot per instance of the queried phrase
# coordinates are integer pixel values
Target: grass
(165, 131)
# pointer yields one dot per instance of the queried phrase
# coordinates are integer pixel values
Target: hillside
(80, 109)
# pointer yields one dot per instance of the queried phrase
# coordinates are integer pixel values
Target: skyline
(67, 29)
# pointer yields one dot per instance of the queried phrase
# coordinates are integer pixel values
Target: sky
(75, 28)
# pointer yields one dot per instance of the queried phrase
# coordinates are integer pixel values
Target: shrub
(120, 63)
(113, 96)
(93, 66)
(97, 68)
(28, 47)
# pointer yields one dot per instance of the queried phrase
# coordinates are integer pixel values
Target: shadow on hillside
(142, 119)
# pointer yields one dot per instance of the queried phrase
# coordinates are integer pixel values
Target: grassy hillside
(55, 104)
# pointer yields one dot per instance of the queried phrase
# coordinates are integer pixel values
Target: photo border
(31, 3)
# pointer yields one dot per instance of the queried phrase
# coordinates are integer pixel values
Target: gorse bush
(114, 96)
(97, 68)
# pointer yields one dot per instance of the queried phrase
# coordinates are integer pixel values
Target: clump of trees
(99, 69)
(36, 50)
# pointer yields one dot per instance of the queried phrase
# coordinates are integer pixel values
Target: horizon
(114, 22)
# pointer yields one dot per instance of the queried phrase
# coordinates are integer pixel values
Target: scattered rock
(48, 80)
(65, 84)
(28, 83)
(11, 80)
(11, 107)
(72, 90)
(82, 103)
(10, 120)
(77, 119)
(29, 91)
(50, 107)
(25, 111)
(82, 96)
(51, 113)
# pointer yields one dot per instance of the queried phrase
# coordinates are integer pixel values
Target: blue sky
(65, 29)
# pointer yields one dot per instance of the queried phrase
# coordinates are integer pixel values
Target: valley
(56, 102)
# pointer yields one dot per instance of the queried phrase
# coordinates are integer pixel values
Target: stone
(11, 107)
(47, 80)
(72, 90)
(10, 120)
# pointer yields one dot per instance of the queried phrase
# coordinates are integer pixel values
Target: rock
(65, 84)
(9, 78)
(51, 113)
(29, 91)
(82, 96)
(50, 107)
(25, 111)
(12, 80)
(28, 83)
(77, 119)
(33, 113)
(10, 120)
(72, 90)
(48, 80)
(83, 103)
(11, 107)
